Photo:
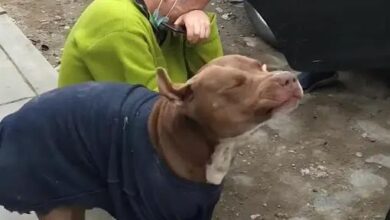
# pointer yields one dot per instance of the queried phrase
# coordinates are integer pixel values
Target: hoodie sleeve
(125, 56)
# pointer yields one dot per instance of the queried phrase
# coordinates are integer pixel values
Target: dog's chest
(222, 158)
(220, 164)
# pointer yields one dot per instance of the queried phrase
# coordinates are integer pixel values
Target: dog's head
(233, 94)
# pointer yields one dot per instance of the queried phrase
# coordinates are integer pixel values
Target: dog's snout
(289, 82)
(286, 79)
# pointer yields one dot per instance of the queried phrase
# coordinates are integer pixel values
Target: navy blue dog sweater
(88, 146)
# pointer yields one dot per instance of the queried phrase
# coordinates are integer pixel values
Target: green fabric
(113, 41)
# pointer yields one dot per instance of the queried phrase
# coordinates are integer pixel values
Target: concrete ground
(329, 160)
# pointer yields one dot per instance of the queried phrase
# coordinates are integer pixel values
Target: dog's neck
(181, 142)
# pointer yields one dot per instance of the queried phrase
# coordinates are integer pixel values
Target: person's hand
(197, 24)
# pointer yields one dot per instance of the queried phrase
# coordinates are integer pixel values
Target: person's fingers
(179, 21)
(190, 33)
(197, 33)
(208, 31)
(197, 26)
(202, 33)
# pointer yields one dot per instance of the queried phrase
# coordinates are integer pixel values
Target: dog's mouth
(289, 101)
(287, 106)
(284, 108)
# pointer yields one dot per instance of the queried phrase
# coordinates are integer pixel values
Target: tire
(260, 25)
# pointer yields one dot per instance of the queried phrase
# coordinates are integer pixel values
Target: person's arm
(202, 43)
(201, 53)
(123, 57)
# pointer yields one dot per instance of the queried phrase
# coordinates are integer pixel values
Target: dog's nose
(286, 79)
(289, 81)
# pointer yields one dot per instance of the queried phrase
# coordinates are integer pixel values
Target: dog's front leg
(64, 214)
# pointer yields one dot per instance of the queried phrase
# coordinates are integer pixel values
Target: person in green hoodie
(126, 40)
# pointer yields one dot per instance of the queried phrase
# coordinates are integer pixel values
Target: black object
(319, 35)
(310, 81)
(174, 28)
(261, 27)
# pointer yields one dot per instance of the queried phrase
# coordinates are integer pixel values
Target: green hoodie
(114, 41)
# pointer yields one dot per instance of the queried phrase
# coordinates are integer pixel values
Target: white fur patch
(221, 161)
(222, 158)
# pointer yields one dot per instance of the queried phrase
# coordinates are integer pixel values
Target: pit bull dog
(135, 153)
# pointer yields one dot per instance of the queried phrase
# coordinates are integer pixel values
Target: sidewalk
(24, 72)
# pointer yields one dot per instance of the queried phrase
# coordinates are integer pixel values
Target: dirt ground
(329, 160)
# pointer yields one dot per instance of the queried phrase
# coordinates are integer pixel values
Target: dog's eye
(238, 81)
(269, 111)
(264, 111)
(234, 86)
(232, 83)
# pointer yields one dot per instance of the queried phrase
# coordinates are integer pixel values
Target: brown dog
(227, 98)
(193, 127)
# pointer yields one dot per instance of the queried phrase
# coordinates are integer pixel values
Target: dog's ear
(176, 93)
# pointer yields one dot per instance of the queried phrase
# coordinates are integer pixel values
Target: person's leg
(313, 80)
